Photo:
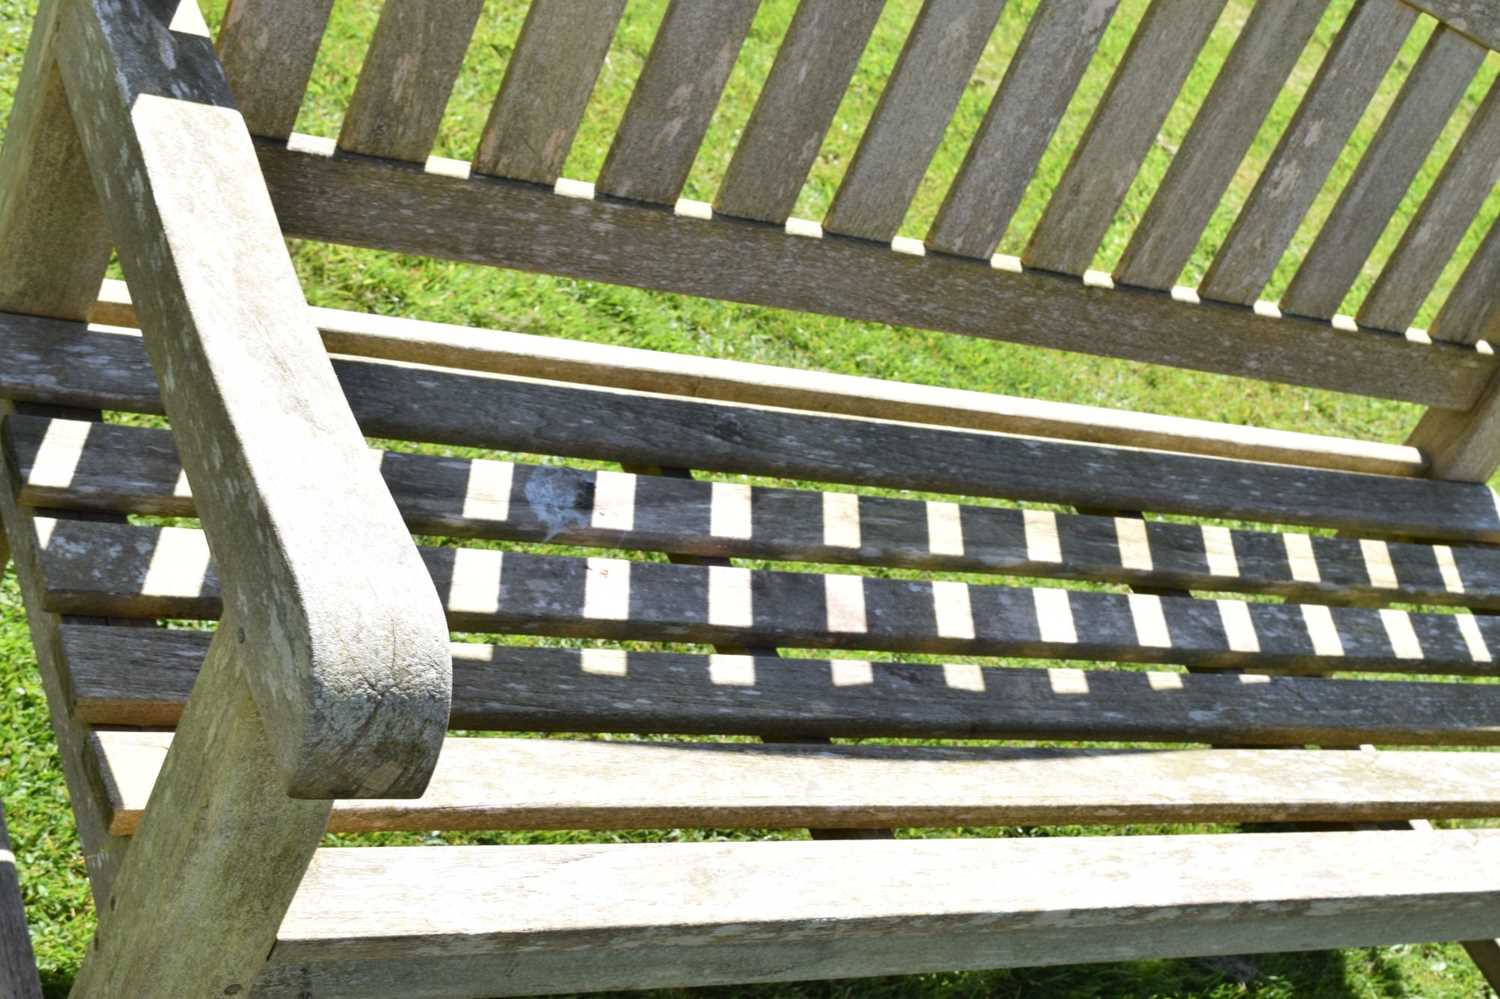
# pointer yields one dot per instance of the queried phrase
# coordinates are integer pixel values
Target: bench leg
(18, 977)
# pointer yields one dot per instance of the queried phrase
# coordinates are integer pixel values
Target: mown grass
(30, 779)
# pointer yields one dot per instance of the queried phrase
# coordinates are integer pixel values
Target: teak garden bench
(324, 697)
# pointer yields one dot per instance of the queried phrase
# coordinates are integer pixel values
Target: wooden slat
(1472, 310)
(142, 676)
(1428, 243)
(1365, 206)
(439, 406)
(18, 977)
(610, 365)
(1251, 79)
(1024, 113)
(111, 570)
(1477, 18)
(813, 67)
(1351, 73)
(268, 48)
(378, 203)
(548, 79)
(70, 465)
(562, 784)
(674, 99)
(1464, 445)
(1120, 134)
(919, 98)
(407, 75)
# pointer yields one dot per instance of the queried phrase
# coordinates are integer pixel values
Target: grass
(30, 779)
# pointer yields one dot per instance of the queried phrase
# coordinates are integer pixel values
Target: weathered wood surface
(150, 572)
(1346, 81)
(610, 365)
(1041, 79)
(355, 696)
(919, 98)
(545, 418)
(1263, 57)
(674, 99)
(566, 784)
(1429, 242)
(1472, 310)
(53, 246)
(220, 846)
(1427, 99)
(1477, 18)
(72, 465)
(142, 676)
(1463, 446)
(268, 48)
(1120, 134)
(368, 202)
(18, 977)
(548, 79)
(813, 66)
(409, 71)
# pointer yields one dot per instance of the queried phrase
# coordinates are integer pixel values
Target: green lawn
(30, 781)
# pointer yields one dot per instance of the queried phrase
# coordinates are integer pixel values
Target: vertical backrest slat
(919, 98)
(1045, 71)
(408, 73)
(551, 72)
(1384, 175)
(1349, 77)
(674, 99)
(812, 71)
(268, 48)
(1431, 239)
(1472, 311)
(1119, 136)
(1263, 58)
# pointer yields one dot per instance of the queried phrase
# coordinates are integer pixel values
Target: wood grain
(1346, 81)
(1263, 57)
(548, 79)
(919, 98)
(18, 976)
(268, 48)
(1120, 134)
(408, 72)
(1476, 18)
(1471, 312)
(813, 66)
(674, 99)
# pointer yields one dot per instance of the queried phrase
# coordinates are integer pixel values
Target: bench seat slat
(112, 570)
(92, 466)
(141, 676)
(59, 363)
(565, 784)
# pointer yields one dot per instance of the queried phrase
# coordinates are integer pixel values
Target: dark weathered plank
(18, 977)
(567, 784)
(919, 98)
(72, 465)
(1024, 113)
(1384, 174)
(268, 48)
(142, 676)
(1120, 134)
(1351, 73)
(1471, 173)
(125, 571)
(674, 99)
(407, 75)
(1247, 86)
(368, 202)
(548, 79)
(518, 415)
(812, 70)
(1477, 18)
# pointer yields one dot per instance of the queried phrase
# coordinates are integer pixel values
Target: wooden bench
(206, 761)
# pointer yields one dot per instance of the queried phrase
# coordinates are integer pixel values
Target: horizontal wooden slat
(392, 338)
(565, 784)
(762, 911)
(60, 363)
(388, 205)
(142, 676)
(94, 466)
(114, 570)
